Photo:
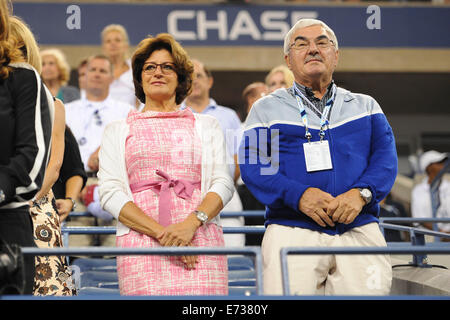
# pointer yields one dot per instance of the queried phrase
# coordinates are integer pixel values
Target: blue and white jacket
(272, 160)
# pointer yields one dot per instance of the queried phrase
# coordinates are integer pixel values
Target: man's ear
(210, 82)
(111, 79)
(287, 60)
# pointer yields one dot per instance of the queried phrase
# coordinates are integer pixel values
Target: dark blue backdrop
(255, 25)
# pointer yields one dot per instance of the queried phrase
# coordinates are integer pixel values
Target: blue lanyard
(323, 120)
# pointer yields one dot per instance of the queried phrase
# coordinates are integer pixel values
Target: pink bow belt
(182, 188)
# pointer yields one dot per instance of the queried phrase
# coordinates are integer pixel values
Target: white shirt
(122, 88)
(114, 187)
(88, 119)
(421, 202)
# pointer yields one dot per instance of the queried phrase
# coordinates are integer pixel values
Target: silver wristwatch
(366, 194)
(74, 204)
(203, 217)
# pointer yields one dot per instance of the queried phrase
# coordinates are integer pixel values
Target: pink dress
(167, 142)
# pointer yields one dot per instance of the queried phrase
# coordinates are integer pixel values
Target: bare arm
(134, 218)
(181, 234)
(73, 190)
(93, 163)
(57, 151)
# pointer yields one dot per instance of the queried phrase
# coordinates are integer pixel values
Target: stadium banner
(363, 26)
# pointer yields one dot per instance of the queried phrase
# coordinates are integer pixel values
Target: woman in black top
(25, 131)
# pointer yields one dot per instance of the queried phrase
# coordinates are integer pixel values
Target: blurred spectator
(199, 100)
(115, 46)
(87, 118)
(392, 209)
(56, 73)
(279, 77)
(431, 163)
(253, 92)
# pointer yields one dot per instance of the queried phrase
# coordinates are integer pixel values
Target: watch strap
(74, 204)
(366, 194)
(202, 216)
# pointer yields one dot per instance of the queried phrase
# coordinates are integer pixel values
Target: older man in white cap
(431, 163)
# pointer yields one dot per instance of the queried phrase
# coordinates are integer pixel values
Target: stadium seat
(108, 285)
(93, 291)
(242, 283)
(93, 278)
(241, 274)
(241, 291)
(240, 263)
(95, 264)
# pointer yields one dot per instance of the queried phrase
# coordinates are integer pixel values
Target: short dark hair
(101, 57)
(82, 63)
(184, 66)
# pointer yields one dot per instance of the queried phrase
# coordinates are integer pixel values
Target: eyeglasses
(166, 68)
(303, 44)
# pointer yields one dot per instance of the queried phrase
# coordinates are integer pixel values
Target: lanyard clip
(321, 134)
(308, 136)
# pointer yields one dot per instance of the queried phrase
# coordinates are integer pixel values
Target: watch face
(366, 194)
(203, 217)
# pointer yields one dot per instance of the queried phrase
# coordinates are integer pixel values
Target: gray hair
(303, 23)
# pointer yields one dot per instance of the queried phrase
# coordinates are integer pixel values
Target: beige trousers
(326, 274)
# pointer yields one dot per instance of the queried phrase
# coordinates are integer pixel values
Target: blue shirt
(230, 124)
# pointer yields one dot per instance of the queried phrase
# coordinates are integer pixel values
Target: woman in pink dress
(163, 175)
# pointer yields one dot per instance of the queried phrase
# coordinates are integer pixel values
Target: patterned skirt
(53, 276)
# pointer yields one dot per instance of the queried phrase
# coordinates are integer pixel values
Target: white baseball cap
(430, 157)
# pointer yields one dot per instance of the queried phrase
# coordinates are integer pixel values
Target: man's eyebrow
(322, 36)
(300, 38)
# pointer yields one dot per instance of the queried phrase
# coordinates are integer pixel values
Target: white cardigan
(114, 187)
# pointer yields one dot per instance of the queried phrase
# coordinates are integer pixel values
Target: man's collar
(307, 91)
(90, 104)
(211, 105)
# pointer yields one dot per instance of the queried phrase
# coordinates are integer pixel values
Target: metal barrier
(417, 237)
(350, 250)
(417, 247)
(414, 230)
(102, 251)
(112, 230)
(223, 214)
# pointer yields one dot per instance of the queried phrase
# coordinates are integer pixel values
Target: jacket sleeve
(22, 177)
(112, 184)
(381, 170)
(221, 181)
(259, 165)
